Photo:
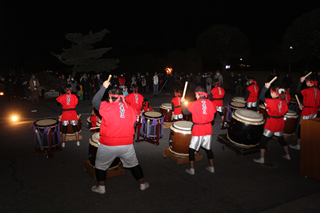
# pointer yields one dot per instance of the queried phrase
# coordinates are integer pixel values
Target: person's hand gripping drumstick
(300, 105)
(107, 82)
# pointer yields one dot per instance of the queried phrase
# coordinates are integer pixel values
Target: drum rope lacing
(46, 129)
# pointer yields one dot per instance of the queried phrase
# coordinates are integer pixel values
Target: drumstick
(109, 78)
(185, 89)
(92, 128)
(273, 80)
(298, 100)
(307, 76)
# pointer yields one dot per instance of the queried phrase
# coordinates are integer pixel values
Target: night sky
(30, 31)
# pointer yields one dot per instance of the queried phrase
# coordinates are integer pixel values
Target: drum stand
(147, 139)
(50, 150)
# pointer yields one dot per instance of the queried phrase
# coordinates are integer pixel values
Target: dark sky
(30, 31)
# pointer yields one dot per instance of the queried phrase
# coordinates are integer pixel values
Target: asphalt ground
(33, 183)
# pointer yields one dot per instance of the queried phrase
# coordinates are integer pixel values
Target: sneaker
(99, 189)
(210, 169)
(297, 147)
(63, 145)
(144, 186)
(286, 157)
(260, 160)
(78, 143)
(190, 171)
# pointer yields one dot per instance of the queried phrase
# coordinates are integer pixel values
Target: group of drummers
(120, 114)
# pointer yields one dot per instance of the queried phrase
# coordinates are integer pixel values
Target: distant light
(240, 59)
(248, 65)
(14, 118)
(291, 47)
(1, 93)
(186, 103)
(228, 67)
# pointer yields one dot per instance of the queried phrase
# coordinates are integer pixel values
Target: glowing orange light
(1, 93)
(14, 118)
(186, 103)
(168, 70)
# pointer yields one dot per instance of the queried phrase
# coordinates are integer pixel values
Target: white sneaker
(63, 145)
(260, 160)
(210, 169)
(286, 157)
(78, 143)
(144, 186)
(190, 171)
(99, 189)
(295, 147)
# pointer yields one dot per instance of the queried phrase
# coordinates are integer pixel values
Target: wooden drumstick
(185, 89)
(298, 100)
(307, 76)
(273, 80)
(109, 78)
(92, 128)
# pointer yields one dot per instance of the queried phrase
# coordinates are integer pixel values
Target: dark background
(30, 31)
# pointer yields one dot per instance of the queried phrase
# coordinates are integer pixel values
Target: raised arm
(96, 101)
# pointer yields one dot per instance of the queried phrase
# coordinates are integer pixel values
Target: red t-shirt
(203, 111)
(177, 105)
(135, 100)
(68, 101)
(287, 98)
(122, 81)
(218, 93)
(94, 120)
(311, 101)
(117, 124)
(275, 107)
(146, 108)
(253, 93)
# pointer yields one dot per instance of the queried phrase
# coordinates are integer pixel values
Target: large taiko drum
(42, 128)
(290, 122)
(150, 122)
(93, 147)
(238, 99)
(70, 128)
(166, 110)
(180, 135)
(237, 105)
(246, 128)
(262, 110)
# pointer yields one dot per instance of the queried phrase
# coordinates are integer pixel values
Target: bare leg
(211, 162)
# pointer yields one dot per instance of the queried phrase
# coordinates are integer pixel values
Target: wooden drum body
(93, 147)
(245, 128)
(290, 122)
(70, 128)
(166, 110)
(180, 135)
(150, 123)
(262, 110)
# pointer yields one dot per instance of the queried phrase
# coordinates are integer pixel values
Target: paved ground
(33, 183)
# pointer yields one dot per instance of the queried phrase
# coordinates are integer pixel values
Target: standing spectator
(160, 80)
(287, 82)
(209, 83)
(139, 83)
(98, 82)
(232, 83)
(34, 84)
(122, 81)
(171, 83)
(155, 84)
(191, 82)
(133, 79)
(10, 90)
(239, 84)
(85, 82)
(69, 79)
(143, 84)
(176, 80)
(182, 79)
(198, 79)
(219, 77)
(148, 83)
(247, 78)
(114, 82)
(203, 80)
(62, 84)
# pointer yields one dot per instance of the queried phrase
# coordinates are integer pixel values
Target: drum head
(88, 119)
(98, 122)
(237, 105)
(238, 99)
(182, 125)
(46, 122)
(95, 137)
(248, 115)
(166, 106)
(291, 114)
(262, 106)
(153, 114)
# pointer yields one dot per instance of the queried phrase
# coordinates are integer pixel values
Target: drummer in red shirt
(252, 94)
(116, 137)
(176, 105)
(287, 97)
(276, 108)
(311, 102)
(216, 96)
(135, 100)
(69, 103)
(146, 106)
(203, 111)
